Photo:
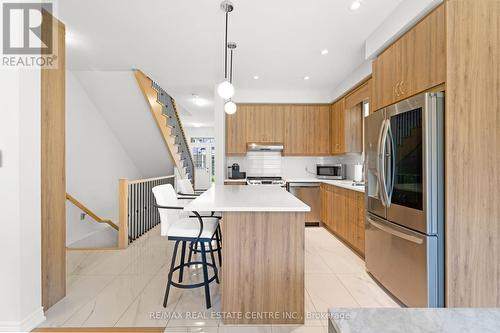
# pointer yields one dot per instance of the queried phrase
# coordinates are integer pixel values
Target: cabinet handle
(401, 88)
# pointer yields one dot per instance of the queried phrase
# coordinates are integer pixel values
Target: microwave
(333, 171)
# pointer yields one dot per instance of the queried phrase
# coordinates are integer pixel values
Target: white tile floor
(125, 288)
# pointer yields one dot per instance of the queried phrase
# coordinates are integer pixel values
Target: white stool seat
(190, 228)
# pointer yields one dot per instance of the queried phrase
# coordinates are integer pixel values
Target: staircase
(164, 111)
(176, 131)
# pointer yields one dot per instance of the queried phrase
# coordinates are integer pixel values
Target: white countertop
(235, 180)
(340, 183)
(416, 320)
(247, 198)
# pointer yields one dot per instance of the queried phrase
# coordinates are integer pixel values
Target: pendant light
(230, 107)
(225, 89)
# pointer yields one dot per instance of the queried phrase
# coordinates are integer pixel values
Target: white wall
(203, 132)
(20, 262)
(95, 160)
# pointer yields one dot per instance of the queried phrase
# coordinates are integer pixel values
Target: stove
(266, 181)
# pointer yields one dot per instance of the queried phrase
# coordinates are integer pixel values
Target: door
(236, 132)
(374, 125)
(404, 262)
(203, 150)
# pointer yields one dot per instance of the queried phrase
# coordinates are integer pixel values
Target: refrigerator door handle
(381, 165)
(395, 232)
(392, 160)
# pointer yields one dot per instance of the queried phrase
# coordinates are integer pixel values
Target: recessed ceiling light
(255, 77)
(355, 5)
(306, 77)
(325, 51)
(197, 100)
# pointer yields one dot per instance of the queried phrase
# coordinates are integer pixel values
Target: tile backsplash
(274, 164)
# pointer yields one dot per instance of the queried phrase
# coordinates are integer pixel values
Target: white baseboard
(26, 325)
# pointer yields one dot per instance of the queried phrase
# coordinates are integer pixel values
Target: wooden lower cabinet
(343, 213)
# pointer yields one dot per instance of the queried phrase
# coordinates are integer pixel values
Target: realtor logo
(30, 39)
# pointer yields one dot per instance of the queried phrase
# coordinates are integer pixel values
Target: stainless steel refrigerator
(404, 241)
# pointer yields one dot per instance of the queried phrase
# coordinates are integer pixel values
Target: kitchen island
(263, 253)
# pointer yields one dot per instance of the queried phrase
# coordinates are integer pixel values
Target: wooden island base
(263, 267)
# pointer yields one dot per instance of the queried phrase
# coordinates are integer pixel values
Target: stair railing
(169, 109)
(90, 213)
(137, 215)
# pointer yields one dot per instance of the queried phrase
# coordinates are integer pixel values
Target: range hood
(271, 147)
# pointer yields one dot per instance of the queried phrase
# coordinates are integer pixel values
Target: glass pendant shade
(230, 107)
(225, 90)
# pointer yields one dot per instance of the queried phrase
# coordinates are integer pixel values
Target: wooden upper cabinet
(265, 123)
(307, 130)
(337, 130)
(414, 63)
(236, 138)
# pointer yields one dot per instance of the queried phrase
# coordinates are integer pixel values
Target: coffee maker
(235, 173)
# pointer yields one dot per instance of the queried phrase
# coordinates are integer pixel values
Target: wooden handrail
(138, 181)
(89, 212)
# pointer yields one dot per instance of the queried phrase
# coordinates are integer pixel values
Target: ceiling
(180, 44)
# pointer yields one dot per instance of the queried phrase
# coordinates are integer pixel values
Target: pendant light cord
(225, 48)
(231, 68)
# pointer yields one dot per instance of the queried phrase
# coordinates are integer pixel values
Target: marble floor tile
(124, 287)
(298, 329)
(245, 329)
(343, 263)
(147, 309)
(108, 306)
(365, 291)
(191, 308)
(80, 290)
(327, 291)
(315, 264)
(73, 259)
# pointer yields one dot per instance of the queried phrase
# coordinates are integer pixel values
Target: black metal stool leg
(183, 256)
(190, 252)
(213, 262)
(172, 265)
(205, 275)
(219, 245)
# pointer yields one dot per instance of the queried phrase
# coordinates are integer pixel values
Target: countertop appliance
(235, 172)
(332, 171)
(404, 223)
(308, 193)
(278, 181)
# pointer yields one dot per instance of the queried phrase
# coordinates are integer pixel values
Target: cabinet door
(318, 130)
(387, 73)
(295, 130)
(337, 127)
(236, 132)
(324, 203)
(352, 218)
(353, 130)
(360, 222)
(413, 64)
(424, 57)
(307, 130)
(265, 123)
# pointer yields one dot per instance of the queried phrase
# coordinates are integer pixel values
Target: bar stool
(183, 230)
(186, 192)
